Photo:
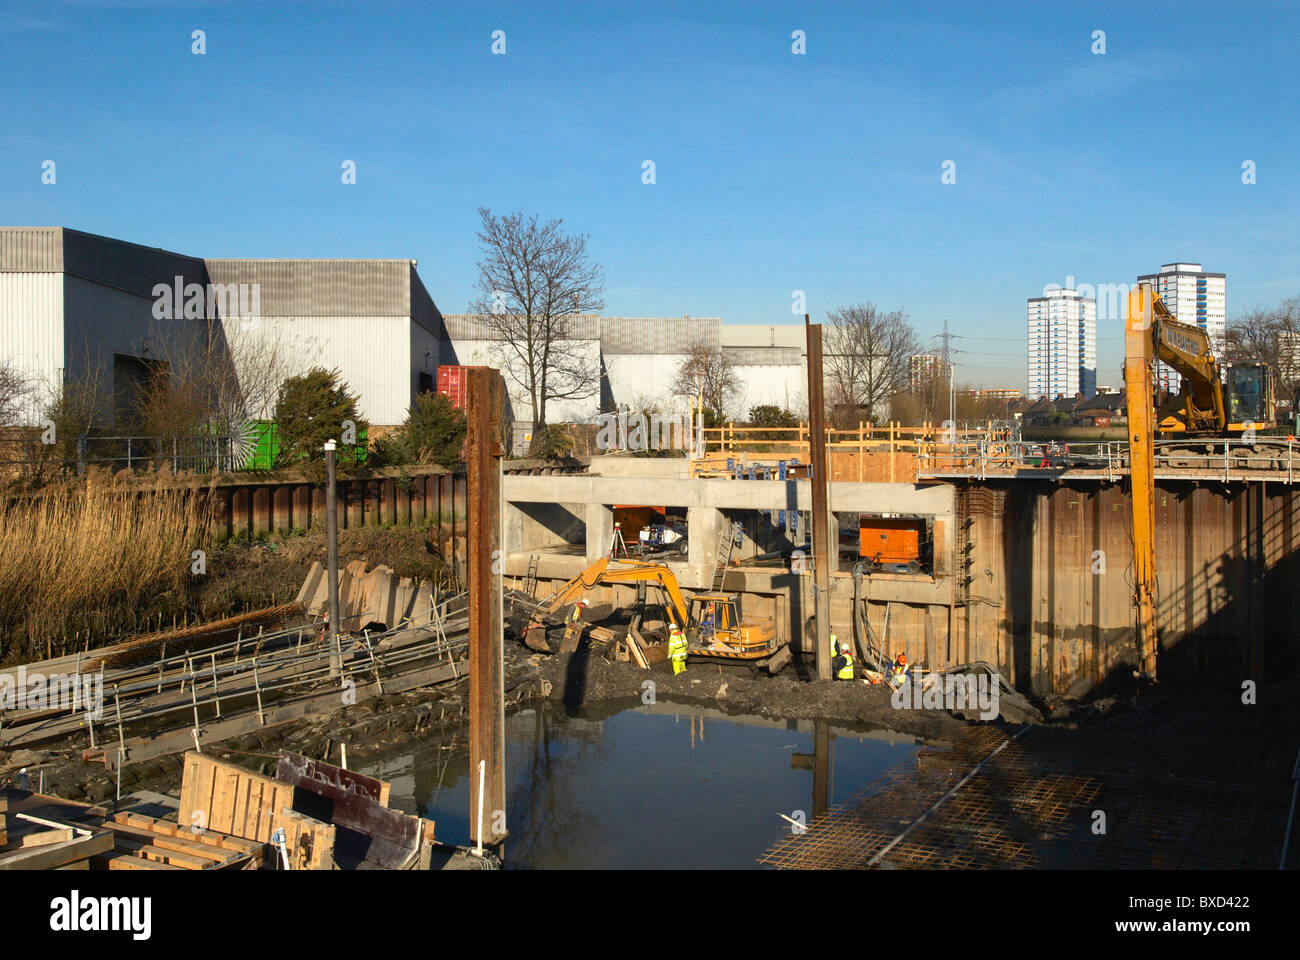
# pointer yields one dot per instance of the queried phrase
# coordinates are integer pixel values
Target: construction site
(872, 649)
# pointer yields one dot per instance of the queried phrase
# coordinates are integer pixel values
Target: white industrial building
(75, 305)
(639, 357)
(1195, 297)
(1062, 345)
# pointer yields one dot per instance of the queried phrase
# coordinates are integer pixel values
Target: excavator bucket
(535, 638)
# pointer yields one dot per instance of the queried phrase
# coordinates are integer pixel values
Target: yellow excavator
(712, 621)
(1205, 407)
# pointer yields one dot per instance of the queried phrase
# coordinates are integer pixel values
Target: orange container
(632, 518)
(890, 539)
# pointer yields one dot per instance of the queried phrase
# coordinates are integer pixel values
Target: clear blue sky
(774, 172)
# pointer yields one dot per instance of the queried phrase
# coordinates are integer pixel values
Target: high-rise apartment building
(1062, 344)
(926, 369)
(1195, 297)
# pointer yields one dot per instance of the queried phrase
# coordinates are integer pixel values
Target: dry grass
(84, 557)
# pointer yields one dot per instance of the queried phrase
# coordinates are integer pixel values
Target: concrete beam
(933, 499)
(699, 497)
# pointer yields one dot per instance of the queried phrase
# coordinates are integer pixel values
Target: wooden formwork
(230, 800)
(145, 843)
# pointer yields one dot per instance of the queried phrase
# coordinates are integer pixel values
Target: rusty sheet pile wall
(1048, 585)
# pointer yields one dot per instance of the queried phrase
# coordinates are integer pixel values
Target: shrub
(309, 410)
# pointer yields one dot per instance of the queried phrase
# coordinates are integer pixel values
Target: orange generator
(891, 540)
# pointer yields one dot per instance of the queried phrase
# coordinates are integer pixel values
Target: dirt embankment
(239, 576)
(244, 576)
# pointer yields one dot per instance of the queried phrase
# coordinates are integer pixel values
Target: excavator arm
(1187, 349)
(605, 570)
(1139, 353)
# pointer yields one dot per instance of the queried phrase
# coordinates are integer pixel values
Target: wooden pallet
(145, 843)
(240, 803)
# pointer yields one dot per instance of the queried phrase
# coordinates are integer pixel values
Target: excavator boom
(606, 570)
(1139, 355)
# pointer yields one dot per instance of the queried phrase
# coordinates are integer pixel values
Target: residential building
(1062, 344)
(1195, 297)
(927, 369)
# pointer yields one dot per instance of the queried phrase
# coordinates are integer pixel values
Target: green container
(266, 445)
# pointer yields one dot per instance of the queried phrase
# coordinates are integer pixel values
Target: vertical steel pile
(823, 558)
(483, 452)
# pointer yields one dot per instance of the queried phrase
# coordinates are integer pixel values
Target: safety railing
(1272, 458)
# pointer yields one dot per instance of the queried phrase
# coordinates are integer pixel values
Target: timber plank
(58, 854)
(129, 861)
(212, 838)
(163, 855)
(214, 855)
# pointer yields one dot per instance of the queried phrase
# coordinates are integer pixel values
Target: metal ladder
(530, 578)
(726, 543)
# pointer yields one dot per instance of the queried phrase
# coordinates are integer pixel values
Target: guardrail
(1227, 459)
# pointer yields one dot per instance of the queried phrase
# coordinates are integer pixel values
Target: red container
(453, 383)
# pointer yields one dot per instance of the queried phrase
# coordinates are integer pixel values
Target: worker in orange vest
(897, 670)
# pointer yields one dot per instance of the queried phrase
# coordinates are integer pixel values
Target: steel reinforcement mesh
(1062, 799)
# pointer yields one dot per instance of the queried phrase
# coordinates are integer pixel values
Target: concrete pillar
(514, 529)
(600, 530)
(704, 525)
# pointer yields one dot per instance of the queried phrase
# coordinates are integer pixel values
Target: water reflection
(640, 786)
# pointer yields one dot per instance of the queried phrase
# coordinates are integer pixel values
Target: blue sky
(774, 172)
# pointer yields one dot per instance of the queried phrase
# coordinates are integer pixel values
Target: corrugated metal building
(75, 305)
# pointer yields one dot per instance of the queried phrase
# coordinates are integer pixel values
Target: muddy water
(659, 786)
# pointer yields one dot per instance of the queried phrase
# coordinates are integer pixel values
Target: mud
(581, 679)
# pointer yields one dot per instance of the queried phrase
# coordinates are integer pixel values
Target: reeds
(81, 558)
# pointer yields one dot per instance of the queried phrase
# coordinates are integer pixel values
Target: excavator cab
(1251, 397)
(716, 629)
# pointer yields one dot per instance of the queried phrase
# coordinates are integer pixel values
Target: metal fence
(31, 456)
(1225, 459)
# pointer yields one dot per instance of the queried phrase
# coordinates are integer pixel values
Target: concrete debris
(379, 596)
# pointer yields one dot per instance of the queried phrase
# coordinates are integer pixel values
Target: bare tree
(708, 372)
(220, 378)
(15, 387)
(931, 389)
(533, 281)
(1269, 335)
(866, 353)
